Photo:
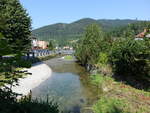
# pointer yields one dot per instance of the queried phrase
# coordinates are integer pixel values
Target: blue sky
(45, 12)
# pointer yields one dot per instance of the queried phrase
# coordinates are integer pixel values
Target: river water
(69, 86)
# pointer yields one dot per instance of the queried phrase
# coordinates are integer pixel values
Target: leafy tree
(126, 58)
(89, 50)
(51, 45)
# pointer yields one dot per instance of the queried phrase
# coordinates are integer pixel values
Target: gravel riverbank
(40, 72)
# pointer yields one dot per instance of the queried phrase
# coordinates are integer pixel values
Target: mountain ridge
(88, 18)
(74, 30)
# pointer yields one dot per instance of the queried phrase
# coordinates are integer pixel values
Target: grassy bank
(116, 97)
(68, 57)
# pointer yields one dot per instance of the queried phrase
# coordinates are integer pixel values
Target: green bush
(9, 104)
(103, 58)
(97, 79)
(126, 58)
(100, 79)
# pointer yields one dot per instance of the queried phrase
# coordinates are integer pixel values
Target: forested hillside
(62, 32)
(108, 25)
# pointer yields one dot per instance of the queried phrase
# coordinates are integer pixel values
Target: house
(142, 35)
(58, 48)
(66, 47)
(148, 36)
(38, 44)
(34, 43)
(42, 44)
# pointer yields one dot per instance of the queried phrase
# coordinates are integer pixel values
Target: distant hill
(108, 25)
(62, 32)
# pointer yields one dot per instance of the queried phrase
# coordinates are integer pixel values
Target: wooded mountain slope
(62, 31)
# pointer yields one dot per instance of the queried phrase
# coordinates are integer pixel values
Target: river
(69, 86)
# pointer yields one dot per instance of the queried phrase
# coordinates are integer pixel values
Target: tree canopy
(124, 55)
(90, 47)
(15, 25)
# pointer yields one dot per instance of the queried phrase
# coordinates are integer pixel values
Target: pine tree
(15, 25)
(51, 46)
(15, 29)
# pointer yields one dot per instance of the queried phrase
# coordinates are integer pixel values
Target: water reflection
(69, 86)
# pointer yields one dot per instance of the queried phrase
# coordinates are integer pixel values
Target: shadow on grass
(134, 81)
(136, 74)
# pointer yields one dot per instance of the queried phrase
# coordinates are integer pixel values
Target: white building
(34, 42)
(148, 36)
(39, 44)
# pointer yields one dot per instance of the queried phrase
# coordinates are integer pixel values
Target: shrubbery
(126, 58)
(9, 104)
(103, 58)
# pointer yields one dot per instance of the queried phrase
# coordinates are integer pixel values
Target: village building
(39, 44)
(67, 48)
(34, 43)
(42, 44)
(58, 48)
(142, 35)
(148, 36)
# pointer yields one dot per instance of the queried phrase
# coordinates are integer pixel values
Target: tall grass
(9, 104)
(111, 105)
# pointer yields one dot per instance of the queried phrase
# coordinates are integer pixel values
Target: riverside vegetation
(15, 31)
(68, 57)
(120, 67)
